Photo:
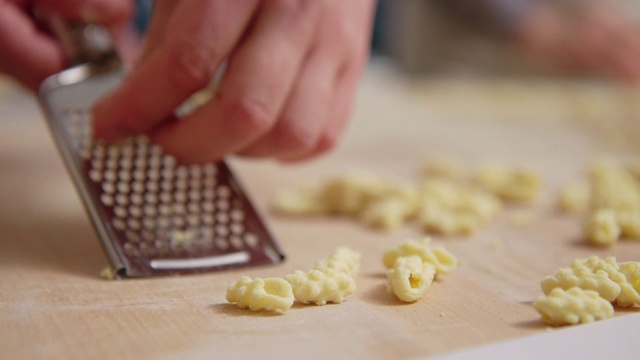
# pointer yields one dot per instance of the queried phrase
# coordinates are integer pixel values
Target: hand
(293, 68)
(30, 55)
(595, 38)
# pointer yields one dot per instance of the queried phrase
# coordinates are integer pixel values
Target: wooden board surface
(54, 304)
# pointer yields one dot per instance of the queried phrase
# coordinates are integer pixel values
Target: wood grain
(54, 305)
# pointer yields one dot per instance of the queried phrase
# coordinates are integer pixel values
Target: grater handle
(81, 42)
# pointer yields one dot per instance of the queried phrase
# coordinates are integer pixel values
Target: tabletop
(54, 304)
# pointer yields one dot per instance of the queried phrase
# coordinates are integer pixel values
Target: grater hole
(166, 185)
(148, 235)
(134, 224)
(122, 199)
(222, 217)
(135, 211)
(153, 174)
(95, 175)
(180, 197)
(178, 221)
(207, 232)
(106, 200)
(151, 198)
(209, 182)
(193, 208)
(137, 187)
(165, 197)
(138, 175)
(140, 163)
(127, 151)
(193, 220)
(132, 236)
(222, 244)
(123, 187)
(194, 195)
(111, 163)
(207, 219)
(120, 211)
(237, 228)
(222, 204)
(113, 151)
(208, 194)
(164, 210)
(124, 175)
(98, 152)
(97, 164)
(150, 210)
(152, 186)
(137, 199)
(251, 239)
(155, 162)
(161, 247)
(167, 174)
(179, 209)
(164, 222)
(208, 206)
(181, 184)
(209, 170)
(195, 183)
(222, 230)
(224, 191)
(237, 215)
(119, 224)
(195, 171)
(236, 242)
(156, 150)
(109, 175)
(169, 161)
(181, 172)
(149, 223)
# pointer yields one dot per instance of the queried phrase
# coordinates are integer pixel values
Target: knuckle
(252, 117)
(191, 66)
(294, 139)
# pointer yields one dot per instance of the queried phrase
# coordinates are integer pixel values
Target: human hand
(29, 55)
(595, 38)
(293, 68)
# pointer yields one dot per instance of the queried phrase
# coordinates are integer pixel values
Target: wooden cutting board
(54, 304)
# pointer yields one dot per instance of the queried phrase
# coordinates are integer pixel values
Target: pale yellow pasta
(602, 228)
(443, 167)
(387, 214)
(443, 261)
(343, 260)
(409, 278)
(269, 294)
(518, 185)
(300, 202)
(629, 222)
(321, 287)
(613, 188)
(574, 198)
(573, 306)
(582, 276)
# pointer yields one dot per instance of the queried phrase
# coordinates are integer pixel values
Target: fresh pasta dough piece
(443, 167)
(321, 287)
(409, 278)
(387, 214)
(582, 276)
(443, 261)
(613, 187)
(574, 198)
(269, 294)
(343, 260)
(601, 228)
(299, 202)
(573, 306)
(629, 222)
(512, 185)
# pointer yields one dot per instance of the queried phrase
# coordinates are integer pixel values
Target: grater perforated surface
(154, 216)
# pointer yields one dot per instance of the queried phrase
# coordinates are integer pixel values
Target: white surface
(617, 338)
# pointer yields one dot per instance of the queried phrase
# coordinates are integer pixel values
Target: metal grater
(153, 215)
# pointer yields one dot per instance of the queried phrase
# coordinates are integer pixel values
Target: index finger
(205, 33)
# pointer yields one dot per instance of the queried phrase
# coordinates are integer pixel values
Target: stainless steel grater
(152, 215)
